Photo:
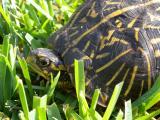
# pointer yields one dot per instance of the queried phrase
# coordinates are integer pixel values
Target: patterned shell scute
(121, 38)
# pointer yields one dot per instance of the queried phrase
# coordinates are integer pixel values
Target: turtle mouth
(36, 69)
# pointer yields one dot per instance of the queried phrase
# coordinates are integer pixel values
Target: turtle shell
(119, 40)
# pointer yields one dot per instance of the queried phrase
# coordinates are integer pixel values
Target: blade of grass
(33, 115)
(71, 114)
(94, 115)
(23, 98)
(5, 51)
(150, 98)
(28, 22)
(40, 104)
(39, 101)
(33, 15)
(80, 87)
(26, 75)
(53, 111)
(113, 101)
(41, 113)
(128, 110)
(95, 99)
(5, 16)
(151, 115)
(120, 115)
(50, 3)
(53, 86)
(79, 78)
(40, 9)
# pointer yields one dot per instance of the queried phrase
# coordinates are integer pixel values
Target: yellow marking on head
(130, 25)
(83, 20)
(71, 35)
(86, 46)
(93, 14)
(157, 53)
(136, 34)
(115, 75)
(155, 41)
(119, 23)
(101, 56)
(53, 67)
(131, 81)
(142, 85)
(45, 72)
(61, 67)
(108, 17)
(148, 66)
(113, 60)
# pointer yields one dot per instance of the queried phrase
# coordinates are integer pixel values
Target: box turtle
(119, 40)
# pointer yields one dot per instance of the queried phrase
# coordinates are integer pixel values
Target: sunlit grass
(27, 24)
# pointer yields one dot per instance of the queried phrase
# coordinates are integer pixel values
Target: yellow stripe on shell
(93, 14)
(92, 54)
(125, 75)
(114, 39)
(113, 60)
(119, 23)
(107, 18)
(75, 17)
(151, 27)
(115, 75)
(101, 56)
(148, 66)
(83, 20)
(155, 41)
(142, 85)
(136, 33)
(86, 45)
(130, 25)
(112, 3)
(103, 39)
(157, 53)
(71, 35)
(92, 7)
(153, 17)
(131, 81)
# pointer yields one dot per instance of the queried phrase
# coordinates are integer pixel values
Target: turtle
(118, 40)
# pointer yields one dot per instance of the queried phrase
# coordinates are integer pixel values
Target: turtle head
(45, 61)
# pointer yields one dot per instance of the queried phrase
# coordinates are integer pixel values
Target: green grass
(27, 24)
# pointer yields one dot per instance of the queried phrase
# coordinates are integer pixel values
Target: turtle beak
(31, 62)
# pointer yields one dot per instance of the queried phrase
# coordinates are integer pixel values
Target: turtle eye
(43, 62)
